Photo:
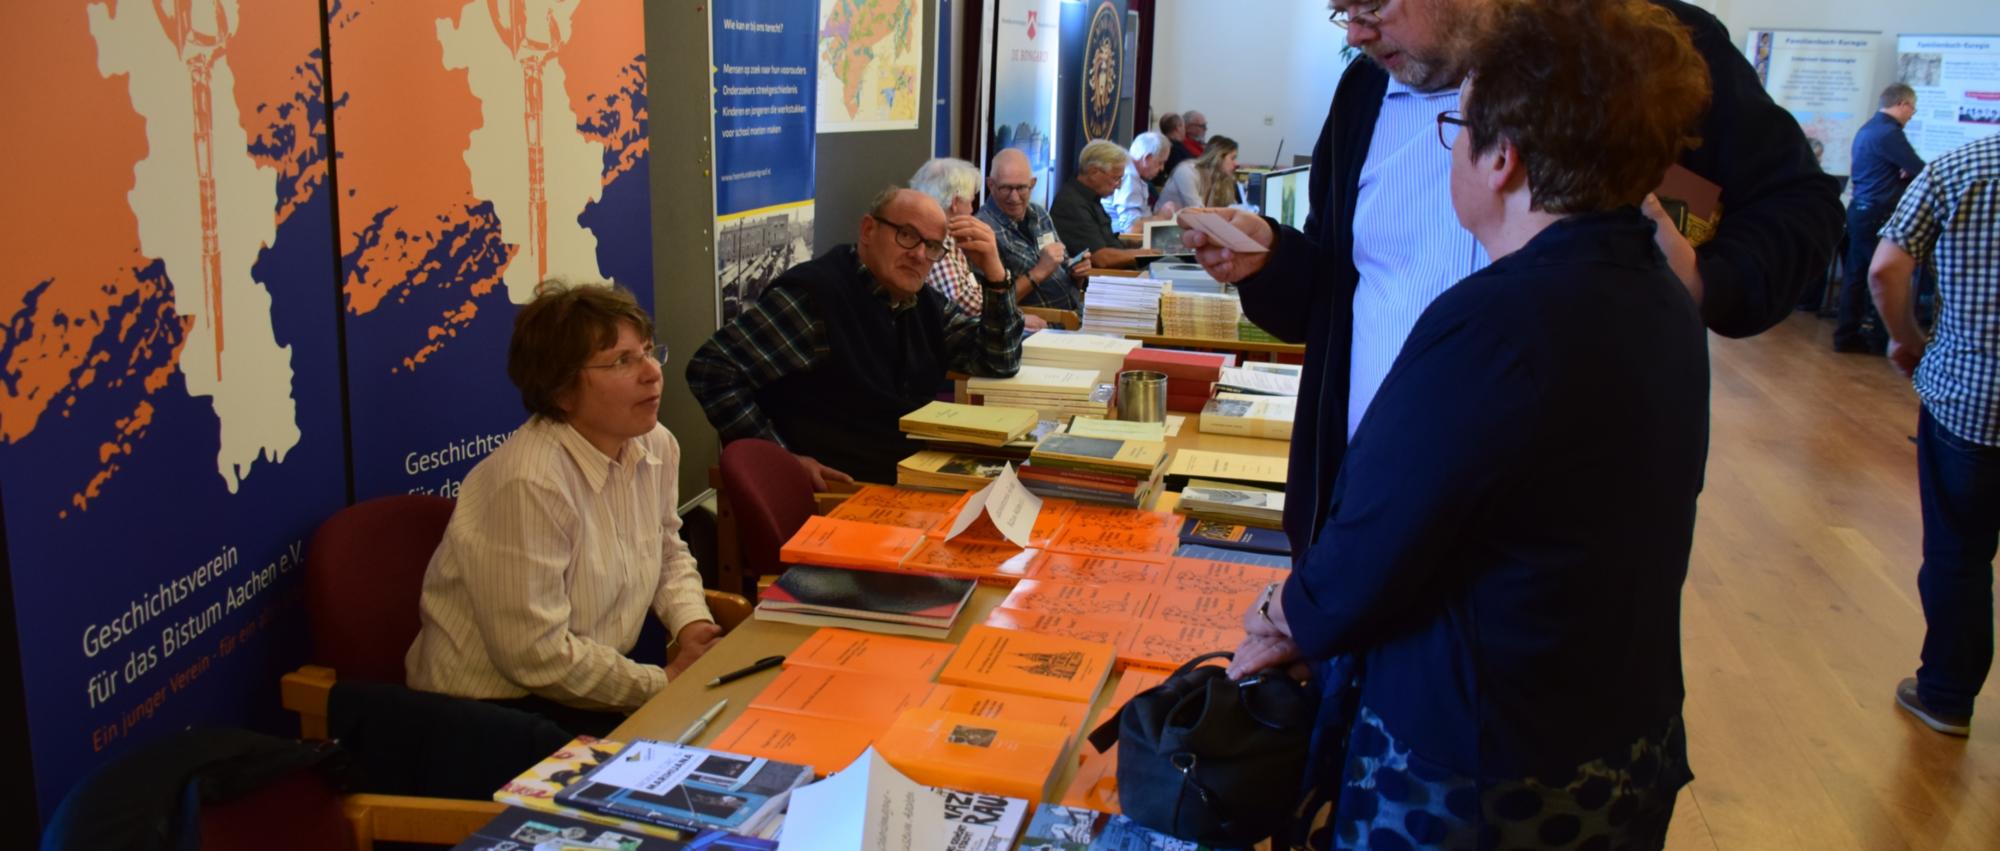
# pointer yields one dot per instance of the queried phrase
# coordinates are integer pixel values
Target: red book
(1192, 403)
(1192, 366)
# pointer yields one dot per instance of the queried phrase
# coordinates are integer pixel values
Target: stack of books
(689, 788)
(1230, 468)
(1122, 306)
(1260, 379)
(1250, 415)
(977, 425)
(952, 471)
(1191, 376)
(1209, 316)
(1247, 331)
(911, 604)
(538, 789)
(1076, 350)
(1228, 503)
(1187, 277)
(1095, 469)
(1056, 392)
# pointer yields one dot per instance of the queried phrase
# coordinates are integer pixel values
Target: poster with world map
(871, 64)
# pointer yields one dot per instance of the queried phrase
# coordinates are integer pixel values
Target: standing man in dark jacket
(1884, 163)
(1382, 243)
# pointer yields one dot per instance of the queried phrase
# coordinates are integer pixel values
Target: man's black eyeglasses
(908, 237)
(1454, 118)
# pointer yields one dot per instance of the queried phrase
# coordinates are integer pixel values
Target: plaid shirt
(779, 335)
(1950, 217)
(1021, 248)
(952, 276)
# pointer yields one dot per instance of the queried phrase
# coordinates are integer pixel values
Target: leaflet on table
(867, 806)
(1011, 506)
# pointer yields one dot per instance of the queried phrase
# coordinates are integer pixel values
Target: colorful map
(871, 60)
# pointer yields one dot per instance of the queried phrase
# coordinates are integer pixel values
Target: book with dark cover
(867, 594)
(1235, 536)
(1204, 551)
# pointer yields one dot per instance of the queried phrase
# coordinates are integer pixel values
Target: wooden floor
(1801, 614)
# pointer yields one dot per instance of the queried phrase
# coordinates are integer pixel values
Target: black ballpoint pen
(765, 663)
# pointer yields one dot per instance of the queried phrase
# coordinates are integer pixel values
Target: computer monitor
(1283, 195)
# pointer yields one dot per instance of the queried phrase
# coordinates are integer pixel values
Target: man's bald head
(1010, 182)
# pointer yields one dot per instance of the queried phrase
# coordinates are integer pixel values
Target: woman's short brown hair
(559, 331)
(1599, 97)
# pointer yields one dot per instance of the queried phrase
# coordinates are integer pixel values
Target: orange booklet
(1013, 758)
(1164, 644)
(849, 543)
(870, 653)
(1200, 574)
(1095, 784)
(841, 695)
(826, 744)
(1007, 706)
(1120, 533)
(1063, 598)
(1029, 663)
(1096, 570)
(886, 506)
(1000, 562)
(1114, 630)
(1048, 522)
(1196, 608)
(1130, 683)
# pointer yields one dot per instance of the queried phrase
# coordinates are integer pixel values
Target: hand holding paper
(1230, 244)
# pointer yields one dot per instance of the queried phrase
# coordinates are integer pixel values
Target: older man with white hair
(954, 184)
(1132, 201)
(1078, 208)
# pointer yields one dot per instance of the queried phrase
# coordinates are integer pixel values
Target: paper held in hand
(868, 806)
(1012, 507)
(1219, 229)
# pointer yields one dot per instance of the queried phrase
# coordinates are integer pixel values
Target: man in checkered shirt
(1950, 217)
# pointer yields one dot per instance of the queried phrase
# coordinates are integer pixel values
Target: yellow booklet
(1231, 467)
(986, 425)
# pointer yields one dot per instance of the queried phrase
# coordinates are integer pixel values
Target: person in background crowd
(1036, 260)
(1882, 165)
(1172, 128)
(1196, 133)
(1374, 253)
(1507, 572)
(1949, 219)
(954, 184)
(566, 536)
(1205, 181)
(1132, 202)
(837, 349)
(1078, 210)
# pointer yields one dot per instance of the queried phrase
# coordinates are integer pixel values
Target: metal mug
(1142, 396)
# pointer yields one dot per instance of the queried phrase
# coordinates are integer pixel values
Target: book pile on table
(1261, 379)
(1076, 350)
(1210, 316)
(1250, 415)
(1229, 468)
(894, 603)
(1055, 392)
(1121, 306)
(734, 798)
(1232, 503)
(978, 425)
(1191, 376)
(1096, 469)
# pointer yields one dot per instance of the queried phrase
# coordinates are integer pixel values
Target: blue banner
(941, 122)
(762, 53)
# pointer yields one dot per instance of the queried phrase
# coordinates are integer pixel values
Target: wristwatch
(993, 285)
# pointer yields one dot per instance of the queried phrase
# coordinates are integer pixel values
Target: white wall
(1242, 62)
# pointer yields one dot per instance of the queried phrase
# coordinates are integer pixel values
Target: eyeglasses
(1451, 118)
(628, 362)
(1013, 188)
(908, 237)
(1361, 14)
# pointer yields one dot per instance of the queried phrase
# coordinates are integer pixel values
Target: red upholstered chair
(364, 574)
(769, 496)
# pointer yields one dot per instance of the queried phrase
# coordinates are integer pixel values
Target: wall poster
(1957, 78)
(1825, 79)
(762, 53)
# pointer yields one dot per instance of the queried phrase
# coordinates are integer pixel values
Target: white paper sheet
(1012, 507)
(1220, 230)
(868, 806)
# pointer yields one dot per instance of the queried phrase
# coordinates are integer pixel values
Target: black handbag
(1211, 760)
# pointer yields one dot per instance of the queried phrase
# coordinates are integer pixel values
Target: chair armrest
(1067, 320)
(402, 818)
(729, 609)
(306, 691)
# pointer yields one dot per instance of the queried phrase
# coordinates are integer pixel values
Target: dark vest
(879, 365)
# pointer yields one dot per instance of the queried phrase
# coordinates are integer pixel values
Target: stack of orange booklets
(839, 691)
(831, 542)
(1157, 615)
(904, 507)
(1122, 533)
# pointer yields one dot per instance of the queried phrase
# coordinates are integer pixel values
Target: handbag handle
(1106, 734)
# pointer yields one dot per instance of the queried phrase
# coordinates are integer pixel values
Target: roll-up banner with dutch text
(762, 53)
(484, 147)
(170, 423)
(1825, 79)
(1025, 53)
(1957, 80)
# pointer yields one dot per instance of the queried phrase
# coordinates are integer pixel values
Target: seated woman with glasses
(566, 536)
(1507, 537)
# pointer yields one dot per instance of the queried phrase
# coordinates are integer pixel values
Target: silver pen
(701, 723)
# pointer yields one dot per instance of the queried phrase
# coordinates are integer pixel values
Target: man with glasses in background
(1036, 261)
(1382, 242)
(837, 349)
(1194, 135)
